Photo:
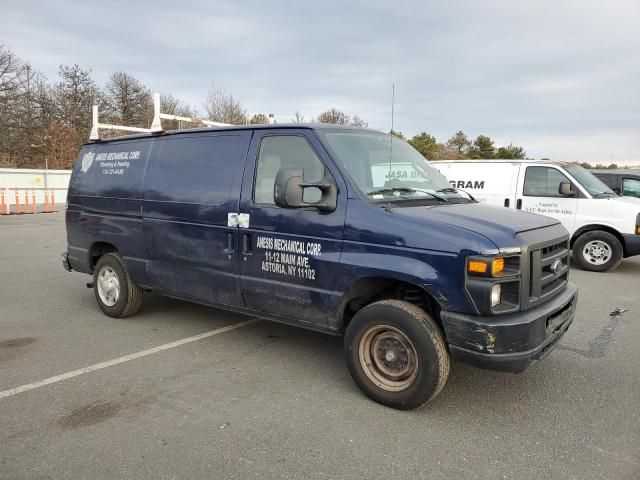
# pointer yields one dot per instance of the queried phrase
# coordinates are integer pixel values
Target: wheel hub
(108, 286)
(597, 252)
(388, 358)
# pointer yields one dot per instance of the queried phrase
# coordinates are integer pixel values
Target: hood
(627, 200)
(499, 224)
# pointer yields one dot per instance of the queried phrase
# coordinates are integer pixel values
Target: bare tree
(299, 118)
(338, 117)
(223, 107)
(174, 106)
(333, 115)
(127, 101)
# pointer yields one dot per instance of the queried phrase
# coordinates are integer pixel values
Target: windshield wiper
(382, 191)
(603, 193)
(456, 190)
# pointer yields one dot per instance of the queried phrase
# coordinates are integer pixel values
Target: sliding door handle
(231, 243)
(519, 204)
(246, 244)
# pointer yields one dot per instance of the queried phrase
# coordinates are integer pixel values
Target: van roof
(261, 126)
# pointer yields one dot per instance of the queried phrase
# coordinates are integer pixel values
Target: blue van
(342, 230)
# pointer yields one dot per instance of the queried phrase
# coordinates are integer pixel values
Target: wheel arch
(367, 290)
(593, 227)
(98, 249)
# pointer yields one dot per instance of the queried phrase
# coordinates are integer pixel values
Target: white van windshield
(388, 168)
(589, 181)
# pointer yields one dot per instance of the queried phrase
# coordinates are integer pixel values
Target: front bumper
(631, 245)
(510, 343)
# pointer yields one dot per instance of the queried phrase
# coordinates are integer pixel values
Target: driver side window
(543, 182)
(290, 151)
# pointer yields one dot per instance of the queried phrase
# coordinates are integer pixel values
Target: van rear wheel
(115, 291)
(396, 354)
(598, 251)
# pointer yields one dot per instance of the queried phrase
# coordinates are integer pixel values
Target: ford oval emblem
(556, 266)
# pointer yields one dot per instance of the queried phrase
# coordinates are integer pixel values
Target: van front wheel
(598, 251)
(115, 291)
(396, 354)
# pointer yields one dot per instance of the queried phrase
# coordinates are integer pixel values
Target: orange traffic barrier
(33, 201)
(53, 200)
(26, 202)
(46, 201)
(4, 205)
(17, 201)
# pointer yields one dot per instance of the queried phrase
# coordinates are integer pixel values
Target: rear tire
(115, 291)
(598, 251)
(396, 354)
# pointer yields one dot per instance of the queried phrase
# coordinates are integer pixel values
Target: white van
(604, 227)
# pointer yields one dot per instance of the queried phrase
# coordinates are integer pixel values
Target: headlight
(493, 282)
(496, 295)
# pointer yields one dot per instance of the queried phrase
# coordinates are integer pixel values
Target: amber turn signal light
(476, 266)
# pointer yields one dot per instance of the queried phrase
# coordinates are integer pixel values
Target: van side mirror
(288, 191)
(565, 189)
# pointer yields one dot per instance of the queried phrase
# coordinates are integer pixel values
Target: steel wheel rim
(388, 358)
(597, 252)
(108, 286)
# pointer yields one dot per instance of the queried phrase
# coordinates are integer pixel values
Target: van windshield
(388, 168)
(589, 181)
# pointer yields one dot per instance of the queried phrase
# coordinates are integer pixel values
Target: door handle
(246, 244)
(519, 204)
(506, 202)
(230, 243)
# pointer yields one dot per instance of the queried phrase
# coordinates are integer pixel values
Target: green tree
(586, 165)
(395, 133)
(613, 166)
(426, 144)
(482, 148)
(511, 152)
(258, 118)
(460, 142)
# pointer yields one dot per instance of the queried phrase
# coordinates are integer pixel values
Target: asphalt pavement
(263, 400)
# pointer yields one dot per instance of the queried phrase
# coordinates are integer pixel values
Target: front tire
(598, 251)
(396, 354)
(115, 291)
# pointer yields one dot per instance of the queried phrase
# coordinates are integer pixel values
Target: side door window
(543, 182)
(631, 187)
(541, 194)
(286, 151)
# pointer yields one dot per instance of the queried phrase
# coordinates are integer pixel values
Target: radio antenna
(393, 101)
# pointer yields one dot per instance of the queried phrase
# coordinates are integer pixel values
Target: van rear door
(192, 184)
(289, 258)
(539, 192)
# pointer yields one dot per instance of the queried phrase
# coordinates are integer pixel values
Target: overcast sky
(561, 78)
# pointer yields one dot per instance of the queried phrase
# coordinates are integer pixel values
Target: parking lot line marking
(126, 358)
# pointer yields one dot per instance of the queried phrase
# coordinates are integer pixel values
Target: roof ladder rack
(156, 124)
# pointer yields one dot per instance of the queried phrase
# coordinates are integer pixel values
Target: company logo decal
(556, 266)
(87, 161)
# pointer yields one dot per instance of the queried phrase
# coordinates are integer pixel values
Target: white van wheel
(598, 251)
